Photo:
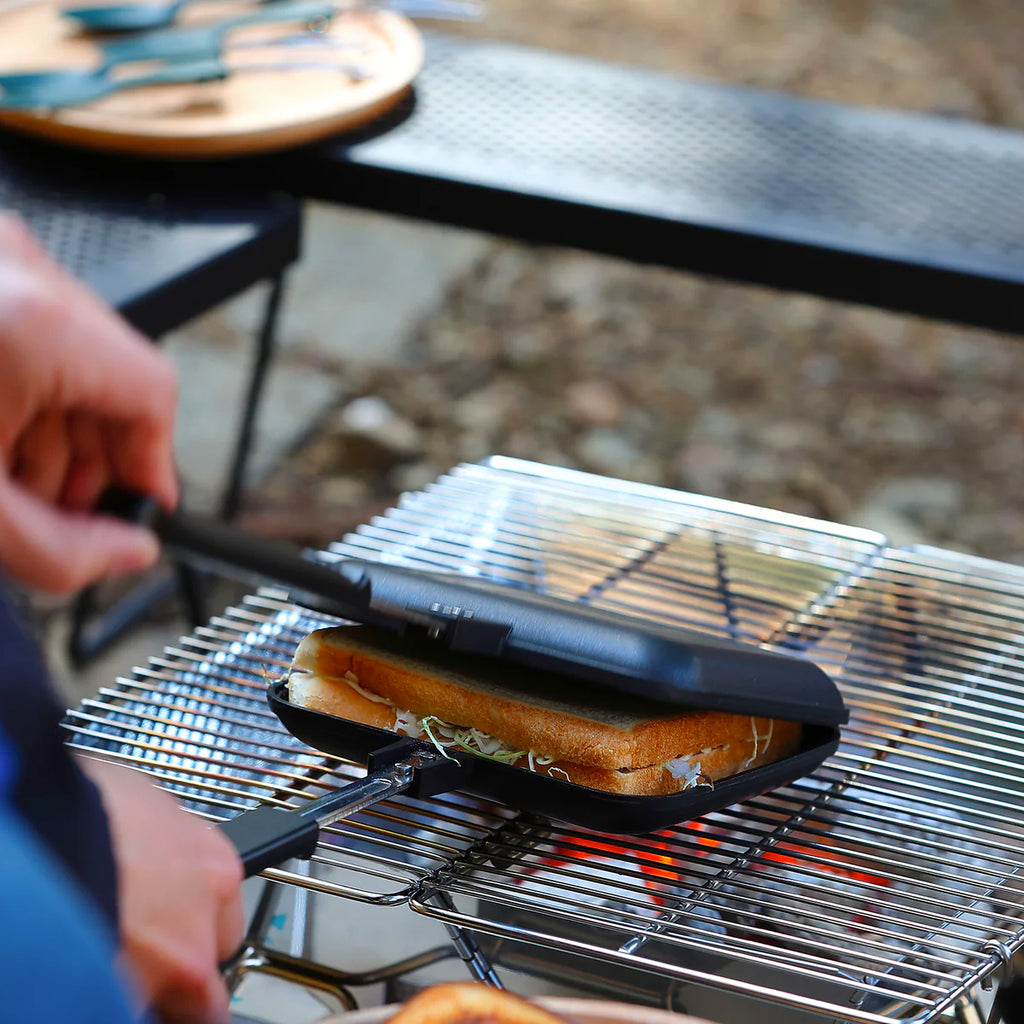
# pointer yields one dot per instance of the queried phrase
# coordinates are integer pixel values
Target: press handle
(344, 591)
(213, 543)
(267, 836)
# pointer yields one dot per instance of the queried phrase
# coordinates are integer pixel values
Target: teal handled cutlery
(57, 93)
(130, 17)
(64, 92)
(188, 43)
(135, 16)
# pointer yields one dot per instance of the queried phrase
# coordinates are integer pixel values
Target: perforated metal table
(914, 213)
(155, 244)
(160, 245)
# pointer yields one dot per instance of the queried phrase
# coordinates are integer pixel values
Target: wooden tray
(254, 110)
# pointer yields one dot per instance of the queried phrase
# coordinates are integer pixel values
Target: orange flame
(657, 865)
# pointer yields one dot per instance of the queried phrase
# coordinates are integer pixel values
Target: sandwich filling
(445, 735)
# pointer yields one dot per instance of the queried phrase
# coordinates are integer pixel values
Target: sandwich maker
(455, 620)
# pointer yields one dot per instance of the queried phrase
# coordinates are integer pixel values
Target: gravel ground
(779, 400)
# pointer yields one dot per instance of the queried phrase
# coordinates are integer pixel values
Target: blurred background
(407, 348)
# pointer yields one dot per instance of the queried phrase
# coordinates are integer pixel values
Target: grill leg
(967, 1011)
(293, 971)
(266, 341)
(254, 956)
(466, 946)
(300, 914)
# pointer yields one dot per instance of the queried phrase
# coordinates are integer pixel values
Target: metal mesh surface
(86, 229)
(883, 886)
(134, 235)
(613, 137)
(195, 717)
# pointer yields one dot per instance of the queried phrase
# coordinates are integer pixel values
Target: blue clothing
(55, 800)
(56, 951)
(58, 907)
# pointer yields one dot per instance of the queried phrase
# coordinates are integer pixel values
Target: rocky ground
(778, 400)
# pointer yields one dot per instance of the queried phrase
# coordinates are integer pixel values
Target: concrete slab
(363, 284)
(214, 379)
(364, 281)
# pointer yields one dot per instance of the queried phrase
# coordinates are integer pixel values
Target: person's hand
(179, 892)
(85, 402)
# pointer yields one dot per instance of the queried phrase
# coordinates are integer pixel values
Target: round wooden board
(256, 109)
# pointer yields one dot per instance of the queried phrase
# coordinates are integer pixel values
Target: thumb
(61, 551)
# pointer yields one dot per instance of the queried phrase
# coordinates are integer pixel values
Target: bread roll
(470, 1003)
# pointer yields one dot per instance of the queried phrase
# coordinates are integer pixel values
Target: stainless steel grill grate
(882, 887)
(195, 718)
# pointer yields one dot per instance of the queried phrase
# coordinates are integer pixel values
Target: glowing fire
(657, 859)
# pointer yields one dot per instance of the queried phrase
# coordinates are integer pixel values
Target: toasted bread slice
(594, 738)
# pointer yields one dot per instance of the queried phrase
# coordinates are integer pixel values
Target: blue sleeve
(56, 951)
(45, 788)
(57, 874)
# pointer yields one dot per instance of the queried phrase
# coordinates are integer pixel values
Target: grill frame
(904, 633)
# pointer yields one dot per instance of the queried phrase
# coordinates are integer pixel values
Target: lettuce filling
(445, 736)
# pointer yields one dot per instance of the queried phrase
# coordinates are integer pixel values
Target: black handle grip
(1009, 1001)
(267, 836)
(128, 505)
(250, 557)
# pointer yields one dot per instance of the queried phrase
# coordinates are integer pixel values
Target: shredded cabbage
(767, 740)
(443, 734)
(353, 680)
(427, 723)
(407, 724)
(689, 771)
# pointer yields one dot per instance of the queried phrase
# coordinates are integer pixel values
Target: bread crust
(333, 697)
(656, 780)
(324, 657)
(654, 737)
(470, 1003)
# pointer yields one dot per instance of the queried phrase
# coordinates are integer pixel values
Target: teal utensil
(131, 17)
(65, 92)
(134, 17)
(200, 42)
(204, 40)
